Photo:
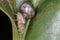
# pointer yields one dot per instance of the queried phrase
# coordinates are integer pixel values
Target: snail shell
(27, 10)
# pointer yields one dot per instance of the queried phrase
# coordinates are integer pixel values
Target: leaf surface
(46, 24)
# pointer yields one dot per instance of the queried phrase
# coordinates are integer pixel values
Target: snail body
(20, 22)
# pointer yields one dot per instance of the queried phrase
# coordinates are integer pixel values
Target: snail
(27, 10)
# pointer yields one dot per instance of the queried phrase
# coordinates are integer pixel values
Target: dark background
(5, 27)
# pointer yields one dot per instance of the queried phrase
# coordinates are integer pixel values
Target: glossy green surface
(46, 24)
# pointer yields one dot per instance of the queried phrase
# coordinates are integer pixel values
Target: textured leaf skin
(46, 24)
(13, 4)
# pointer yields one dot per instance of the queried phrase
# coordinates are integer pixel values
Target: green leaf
(46, 24)
(37, 2)
(5, 7)
(12, 4)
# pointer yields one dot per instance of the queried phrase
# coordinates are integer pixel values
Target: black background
(5, 27)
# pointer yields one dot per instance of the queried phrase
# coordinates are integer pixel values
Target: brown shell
(27, 10)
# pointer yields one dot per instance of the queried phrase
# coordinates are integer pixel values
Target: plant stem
(24, 34)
